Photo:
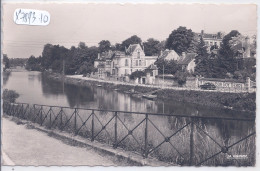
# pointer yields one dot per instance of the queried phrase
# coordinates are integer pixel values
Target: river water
(35, 88)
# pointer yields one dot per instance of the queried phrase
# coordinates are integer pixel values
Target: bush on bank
(10, 95)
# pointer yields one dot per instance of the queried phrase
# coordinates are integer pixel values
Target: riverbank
(235, 101)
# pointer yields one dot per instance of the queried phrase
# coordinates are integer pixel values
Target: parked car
(208, 86)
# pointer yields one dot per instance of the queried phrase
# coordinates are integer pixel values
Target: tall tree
(226, 53)
(131, 40)
(180, 39)
(166, 66)
(202, 59)
(151, 47)
(104, 46)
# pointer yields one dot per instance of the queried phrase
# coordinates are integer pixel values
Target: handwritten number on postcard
(31, 17)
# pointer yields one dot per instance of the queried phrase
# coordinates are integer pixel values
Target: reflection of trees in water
(50, 86)
(6, 76)
(76, 95)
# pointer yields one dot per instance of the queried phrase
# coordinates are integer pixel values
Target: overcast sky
(91, 23)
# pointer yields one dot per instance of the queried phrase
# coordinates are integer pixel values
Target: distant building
(187, 62)
(120, 65)
(211, 40)
(243, 49)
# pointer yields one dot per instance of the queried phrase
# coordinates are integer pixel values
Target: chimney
(202, 32)
(247, 47)
(183, 55)
(98, 56)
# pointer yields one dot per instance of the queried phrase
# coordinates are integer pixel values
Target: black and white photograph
(128, 84)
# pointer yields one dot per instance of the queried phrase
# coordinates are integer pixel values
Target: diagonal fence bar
(113, 123)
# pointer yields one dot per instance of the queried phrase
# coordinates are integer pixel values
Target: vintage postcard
(128, 84)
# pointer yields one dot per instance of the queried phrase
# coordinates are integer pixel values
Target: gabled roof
(132, 48)
(167, 52)
(187, 59)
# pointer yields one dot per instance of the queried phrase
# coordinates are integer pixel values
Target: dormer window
(138, 54)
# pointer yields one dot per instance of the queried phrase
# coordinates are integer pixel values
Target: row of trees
(81, 59)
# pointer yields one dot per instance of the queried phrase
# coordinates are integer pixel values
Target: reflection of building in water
(114, 100)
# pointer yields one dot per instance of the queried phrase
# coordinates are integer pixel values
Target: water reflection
(34, 87)
(6, 76)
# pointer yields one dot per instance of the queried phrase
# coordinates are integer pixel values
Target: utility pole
(63, 68)
(163, 75)
(63, 73)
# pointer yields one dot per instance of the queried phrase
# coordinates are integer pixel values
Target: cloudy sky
(91, 23)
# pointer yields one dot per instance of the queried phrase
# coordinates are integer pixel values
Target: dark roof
(209, 36)
(152, 67)
(107, 55)
(131, 49)
(187, 59)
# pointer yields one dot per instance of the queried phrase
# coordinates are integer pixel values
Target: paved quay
(23, 146)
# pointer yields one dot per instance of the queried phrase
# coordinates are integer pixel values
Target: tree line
(80, 60)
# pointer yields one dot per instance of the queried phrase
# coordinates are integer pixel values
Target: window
(126, 71)
(126, 62)
(136, 63)
(140, 63)
(152, 74)
(138, 54)
(113, 65)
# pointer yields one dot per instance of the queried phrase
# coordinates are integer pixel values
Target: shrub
(137, 74)
(10, 95)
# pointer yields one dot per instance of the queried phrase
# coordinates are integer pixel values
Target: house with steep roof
(122, 64)
(187, 62)
(169, 55)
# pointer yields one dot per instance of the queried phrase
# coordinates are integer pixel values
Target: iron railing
(180, 139)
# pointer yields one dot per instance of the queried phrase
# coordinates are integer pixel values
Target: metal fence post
(92, 129)
(41, 116)
(115, 142)
(50, 116)
(61, 118)
(75, 121)
(33, 113)
(145, 136)
(191, 141)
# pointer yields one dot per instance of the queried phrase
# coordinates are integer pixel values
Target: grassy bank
(236, 101)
